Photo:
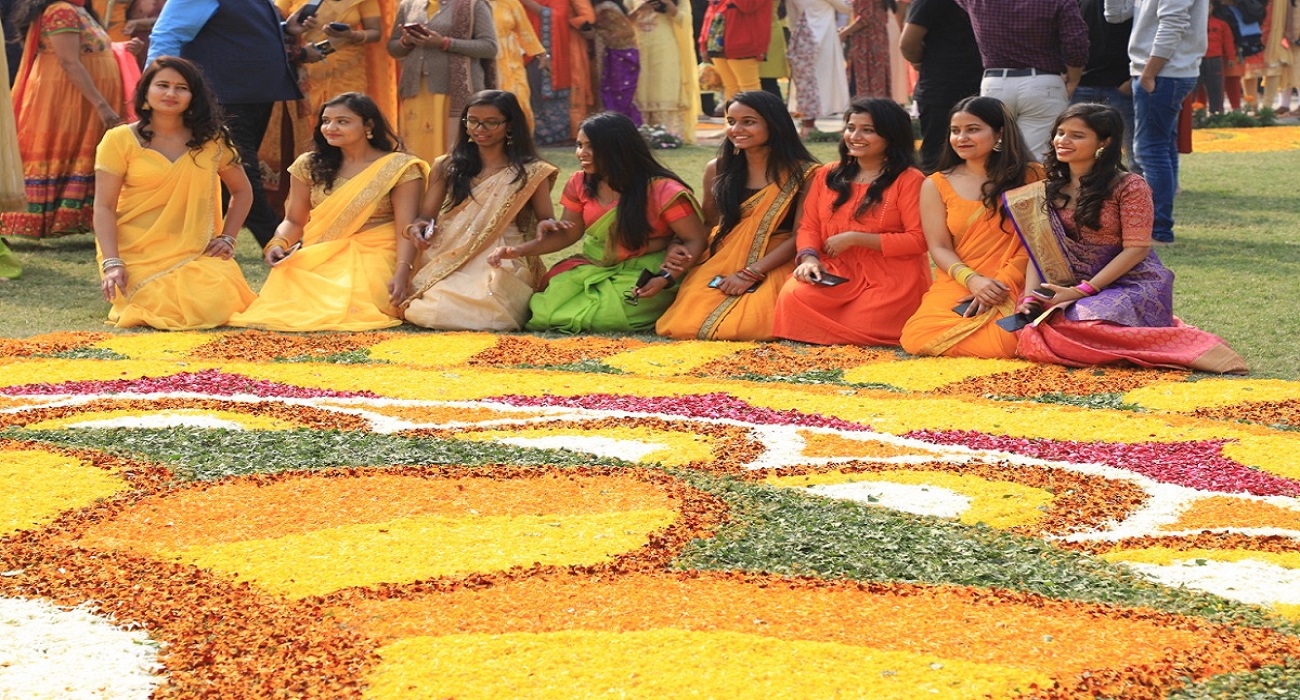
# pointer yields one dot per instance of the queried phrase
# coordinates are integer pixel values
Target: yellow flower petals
(1256, 140)
(40, 485)
(651, 664)
(673, 448)
(1272, 453)
(930, 373)
(833, 446)
(430, 350)
(671, 359)
(1166, 555)
(1189, 396)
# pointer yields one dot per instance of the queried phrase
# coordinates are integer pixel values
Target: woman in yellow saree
(348, 199)
(488, 193)
(163, 249)
(751, 193)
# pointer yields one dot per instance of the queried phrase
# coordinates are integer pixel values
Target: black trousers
(933, 117)
(247, 123)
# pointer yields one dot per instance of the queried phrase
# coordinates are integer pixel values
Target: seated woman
(1088, 231)
(862, 267)
(751, 194)
(486, 194)
(629, 207)
(158, 205)
(348, 199)
(976, 253)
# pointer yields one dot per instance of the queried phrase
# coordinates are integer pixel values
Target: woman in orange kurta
(977, 254)
(861, 223)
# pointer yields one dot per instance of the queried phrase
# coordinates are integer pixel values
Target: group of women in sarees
(1051, 263)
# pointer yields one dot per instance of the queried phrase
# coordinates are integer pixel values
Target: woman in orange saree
(68, 93)
(754, 187)
(979, 260)
(1104, 298)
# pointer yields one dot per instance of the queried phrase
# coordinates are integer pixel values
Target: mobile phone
(961, 308)
(716, 281)
(340, 26)
(645, 277)
(308, 10)
(829, 280)
(428, 231)
(292, 249)
(416, 28)
(1043, 293)
(324, 47)
(1015, 322)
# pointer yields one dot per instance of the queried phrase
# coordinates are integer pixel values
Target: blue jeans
(1121, 102)
(1155, 144)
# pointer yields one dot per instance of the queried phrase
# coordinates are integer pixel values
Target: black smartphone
(340, 26)
(292, 249)
(1043, 293)
(713, 284)
(645, 277)
(961, 308)
(829, 280)
(308, 10)
(1015, 322)
(416, 28)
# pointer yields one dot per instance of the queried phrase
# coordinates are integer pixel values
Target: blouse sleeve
(1136, 211)
(911, 240)
(528, 40)
(572, 197)
(60, 18)
(111, 155)
(301, 168)
(484, 42)
(672, 201)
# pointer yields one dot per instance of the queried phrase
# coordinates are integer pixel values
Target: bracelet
(668, 276)
(746, 273)
(277, 240)
(405, 45)
(804, 252)
(955, 266)
(964, 274)
(446, 43)
(227, 239)
(410, 266)
(1031, 299)
(755, 273)
(1087, 289)
(111, 262)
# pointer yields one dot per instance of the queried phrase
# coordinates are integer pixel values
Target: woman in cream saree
(346, 276)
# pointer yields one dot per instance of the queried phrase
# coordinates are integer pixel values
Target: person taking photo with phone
(861, 251)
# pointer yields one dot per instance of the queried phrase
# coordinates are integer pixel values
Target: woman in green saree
(627, 207)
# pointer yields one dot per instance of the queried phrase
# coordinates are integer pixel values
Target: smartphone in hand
(340, 26)
(829, 280)
(292, 249)
(416, 28)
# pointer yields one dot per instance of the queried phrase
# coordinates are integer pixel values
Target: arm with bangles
(808, 236)
(108, 187)
(406, 200)
(689, 240)
(986, 292)
(423, 231)
(740, 281)
(241, 202)
(552, 235)
(297, 209)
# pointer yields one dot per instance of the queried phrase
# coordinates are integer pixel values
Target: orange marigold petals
(514, 350)
(1226, 511)
(834, 446)
(48, 344)
(261, 346)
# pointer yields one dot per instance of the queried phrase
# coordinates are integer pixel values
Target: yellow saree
(167, 214)
(455, 288)
(338, 280)
(708, 314)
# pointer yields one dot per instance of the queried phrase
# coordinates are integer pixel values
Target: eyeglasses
(630, 298)
(489, 124)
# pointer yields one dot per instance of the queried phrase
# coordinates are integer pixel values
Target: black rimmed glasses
(490, 124)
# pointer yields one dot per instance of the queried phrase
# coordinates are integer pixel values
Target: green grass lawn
(1237, 258)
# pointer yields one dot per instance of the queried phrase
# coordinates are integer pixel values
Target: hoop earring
(1100, 150)
(998, 146)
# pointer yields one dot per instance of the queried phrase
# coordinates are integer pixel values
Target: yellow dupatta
(466, 230)
(344, 213)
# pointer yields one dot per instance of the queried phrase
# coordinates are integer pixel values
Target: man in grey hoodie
(1165, 50)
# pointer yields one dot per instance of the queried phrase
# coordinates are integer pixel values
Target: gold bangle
(964, 275)
(408, 264)
(277, 240)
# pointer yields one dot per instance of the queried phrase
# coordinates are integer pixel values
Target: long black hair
(25, 12)
(893, 124)
(787, 157)
(1096, 185)
(1005, 168)
(326, 159)
(465, 163)
(203, 117)
(624, 162)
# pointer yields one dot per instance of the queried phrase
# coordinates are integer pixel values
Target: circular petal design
(40, 484)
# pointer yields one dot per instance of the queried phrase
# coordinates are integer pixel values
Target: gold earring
(369, 134)
(998, 146)
(1100, 150)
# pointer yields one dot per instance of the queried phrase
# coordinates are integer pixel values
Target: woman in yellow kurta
(754, 186)
(348, 200)
(977, 254)
(489, 192)
(517, 44)
(163, 249)
(68, 93)
(668, 89)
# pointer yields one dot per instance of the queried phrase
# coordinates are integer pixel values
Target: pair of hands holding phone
(414, 34)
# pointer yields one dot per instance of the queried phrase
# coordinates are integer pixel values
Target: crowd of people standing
(424, 199)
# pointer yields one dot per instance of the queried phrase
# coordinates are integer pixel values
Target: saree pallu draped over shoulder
(1130, 321)
(708, 314)
(454, 287)
(338, 281)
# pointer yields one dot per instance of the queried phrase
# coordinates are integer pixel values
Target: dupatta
(345, 211)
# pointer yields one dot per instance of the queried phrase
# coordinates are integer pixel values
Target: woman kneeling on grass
(1105, 295)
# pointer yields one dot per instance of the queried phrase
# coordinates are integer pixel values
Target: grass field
(1237, 257)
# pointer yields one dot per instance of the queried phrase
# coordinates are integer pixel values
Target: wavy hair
(787, 157)
(325, 159)
(893, 124)
(623, 161)
(1095, 186)
(465, 163)
(203, 117)
(1005, 168)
